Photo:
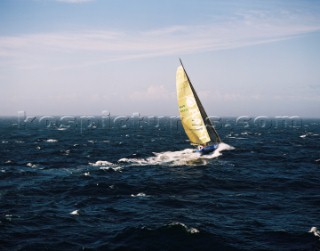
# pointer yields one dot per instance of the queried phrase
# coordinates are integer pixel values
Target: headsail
(194, 119)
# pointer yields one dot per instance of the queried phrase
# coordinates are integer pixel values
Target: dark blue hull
(208, 149)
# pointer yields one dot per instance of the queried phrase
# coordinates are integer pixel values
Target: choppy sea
(124, 183)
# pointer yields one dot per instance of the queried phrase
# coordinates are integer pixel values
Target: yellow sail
(191, 118)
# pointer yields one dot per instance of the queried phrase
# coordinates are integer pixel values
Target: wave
(106, 165)
(233, 137)
(177, 158)
(139, 195)
(172, 236)
(32, 165)
(51, 140)
(190, 230)
(309, 134)
(315, 231)
(101, 163)
(75, 212)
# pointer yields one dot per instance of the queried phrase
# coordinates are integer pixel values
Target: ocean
(134, 183)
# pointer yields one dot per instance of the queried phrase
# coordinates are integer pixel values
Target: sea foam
(315, 231)
(177, 158)
(51, 140)
(106, 165)
(190, 230)
(139, 195)
(75, 212)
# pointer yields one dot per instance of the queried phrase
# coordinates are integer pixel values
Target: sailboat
(194, 119)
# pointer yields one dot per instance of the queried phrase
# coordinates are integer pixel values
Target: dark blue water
(124, 184)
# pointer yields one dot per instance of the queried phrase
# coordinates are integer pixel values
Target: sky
(85, 57)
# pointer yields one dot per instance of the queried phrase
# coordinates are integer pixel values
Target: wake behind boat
(194, 119)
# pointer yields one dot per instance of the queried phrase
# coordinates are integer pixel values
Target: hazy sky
(81, 57)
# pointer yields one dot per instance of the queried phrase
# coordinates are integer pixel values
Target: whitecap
(139, 195)
(240, 138)
(237, 138)
(315, 231)
(106, 165)
(86, 174)
(190, 230)
(101, 163)
(32, 165)
(8, 217)
(193, 230)
(222, 147)
(75, 212)
(114, 168)
(51, 140)
(309, 134)
(66, 152)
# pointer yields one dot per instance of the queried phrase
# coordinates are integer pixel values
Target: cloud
(152, 93)
(99, 46)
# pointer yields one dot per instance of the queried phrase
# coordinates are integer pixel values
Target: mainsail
(194, 119)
